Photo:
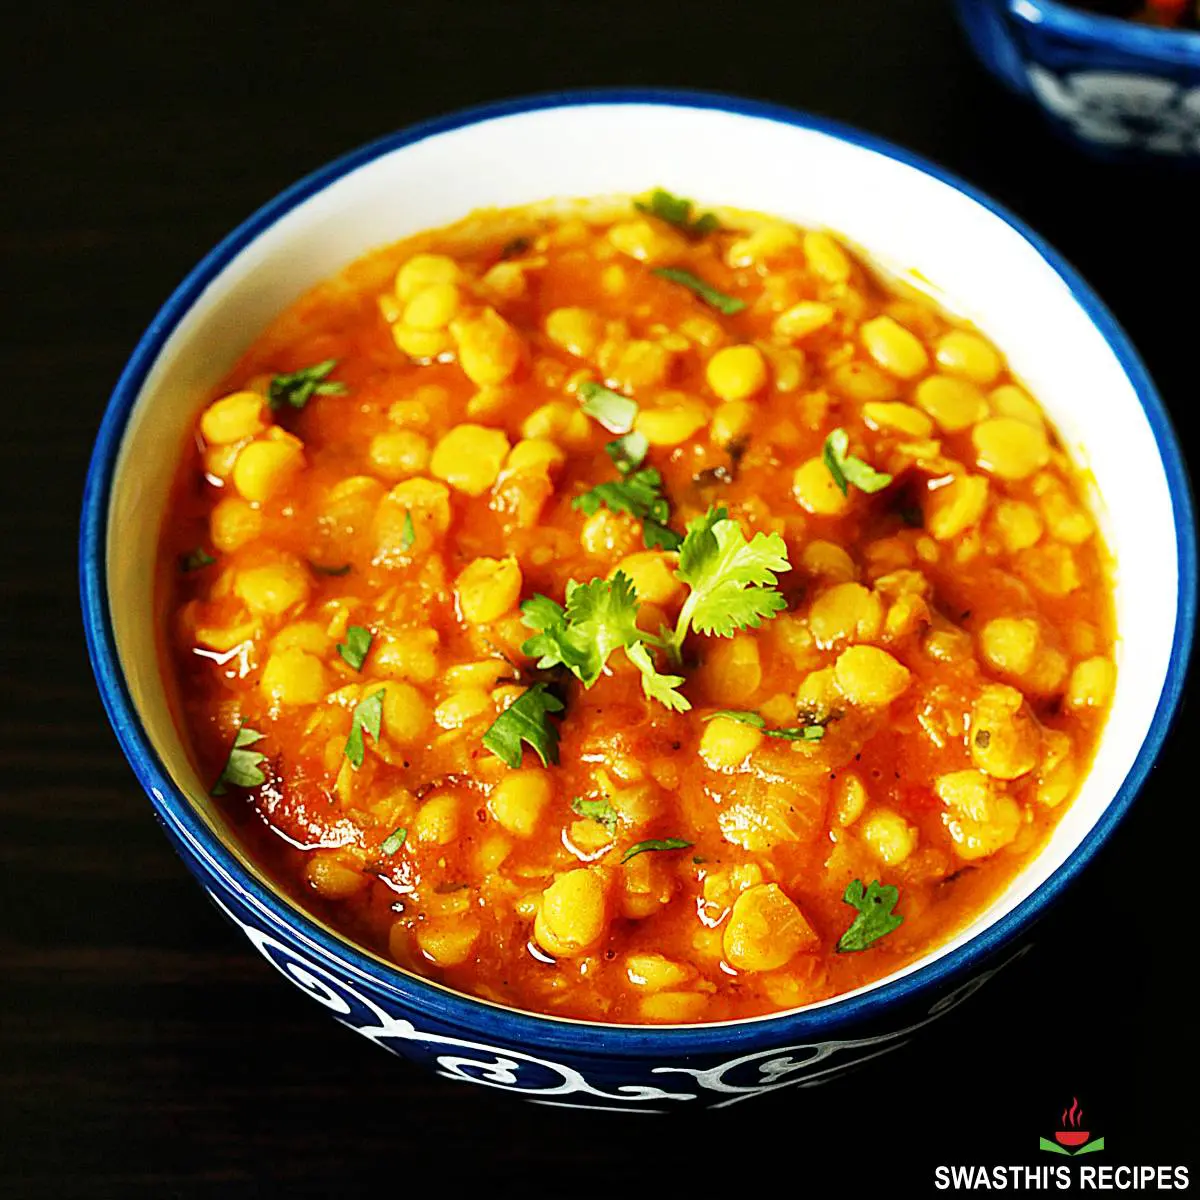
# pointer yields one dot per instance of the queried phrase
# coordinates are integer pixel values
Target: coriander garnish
(527, 720)
(640, 495)
(677, 211)
(733, 587)
(615, 412)
(797, 733)
(600, 617)
(195, 560)
(408, 534)
(515, 247)
(732, 580)
(599, 811)
(368, 715)
(393, 841)
(709, 294)
(241, 768)
(846, 469)
(654, 844)
(875, 917)
(298, 387)
(354, 649)
(628, 452)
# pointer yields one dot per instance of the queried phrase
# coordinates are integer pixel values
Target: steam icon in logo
(1071, 1138)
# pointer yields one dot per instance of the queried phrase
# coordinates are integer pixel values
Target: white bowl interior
(978, 266)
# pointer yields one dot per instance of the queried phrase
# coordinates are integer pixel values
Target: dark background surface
(144, 1049)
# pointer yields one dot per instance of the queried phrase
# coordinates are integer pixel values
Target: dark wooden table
(144, 1049)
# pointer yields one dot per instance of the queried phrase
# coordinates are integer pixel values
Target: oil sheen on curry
(635, 614)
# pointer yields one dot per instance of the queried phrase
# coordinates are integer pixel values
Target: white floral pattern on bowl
(545, 1081)
(1121, 90)
(1121, 109)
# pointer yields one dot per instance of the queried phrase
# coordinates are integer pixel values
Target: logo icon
(1072, 1138)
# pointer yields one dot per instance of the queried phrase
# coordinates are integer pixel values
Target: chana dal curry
(639, 619)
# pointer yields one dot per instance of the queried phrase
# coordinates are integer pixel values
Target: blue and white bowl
(903, 212)
(1116, 88)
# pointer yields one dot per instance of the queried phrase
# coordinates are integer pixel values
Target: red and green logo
(1072, 1138)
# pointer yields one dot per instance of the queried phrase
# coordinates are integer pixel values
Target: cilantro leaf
(654, 844)
(875, 917)
(542, 612)
(615, 412)
(666, 207)
(847, 469)
(699, 544)
(195, 560)
(526, 720)
(628, 452)
(833, 454)
(656, 685)
(656, 536)
(394, 840)
(368, 715)
(799, 733)
(299, 387)
(640, 495)
(515, 247)
(241, 768)
(678, 212)
(600, 616)
(732, 581)
(597, 810)
(408, 534)
(741, 716)
(552, 644)
(733, 586)
(357, 644)
(709, 294)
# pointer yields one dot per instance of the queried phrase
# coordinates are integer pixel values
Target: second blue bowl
(1115, 88)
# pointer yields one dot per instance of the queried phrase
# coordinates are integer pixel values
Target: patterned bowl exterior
(565, 1076)
(1117, 89)
(554, 1061)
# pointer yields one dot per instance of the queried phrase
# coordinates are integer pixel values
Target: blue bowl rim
(1149, 41)
(512, 1025)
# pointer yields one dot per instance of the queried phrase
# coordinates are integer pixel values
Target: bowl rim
(1152, 41)
(518, 1026)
